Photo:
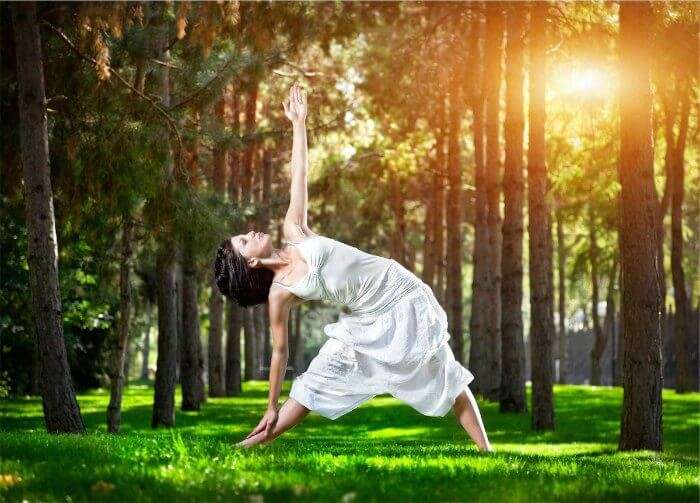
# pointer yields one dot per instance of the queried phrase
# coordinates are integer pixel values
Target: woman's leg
(290, 414)
(467, 412)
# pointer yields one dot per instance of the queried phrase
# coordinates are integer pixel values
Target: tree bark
(601, 342)
(234, 177)
(539, 229)
(430, 202)
(259, 323)
(640, 293)
(299, 355)
(493, 53)
(480, 278)
(453, 215)
(234, 323)
(116, 367)
(247, 197)
(265, 224)
(118, 371)
(439, 187)
(166, 365)
(396, 199)
(249, 372)
(561, 299)
(684, 377)
(215, 355)
(215, 350)
(191, 360)
(512, 396)
(599, 338)
(146, 349)
(294, 340)
(61, 410)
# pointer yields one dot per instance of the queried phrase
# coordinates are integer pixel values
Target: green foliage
(382, 451)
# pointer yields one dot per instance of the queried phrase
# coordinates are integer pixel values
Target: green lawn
(383, 451)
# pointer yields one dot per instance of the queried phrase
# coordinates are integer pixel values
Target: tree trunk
(294, 340)
(234, 317)
(259, 321)
(601, 342)
(493, 50)
(539, 230)
(439, 186)
(61, 410)
(684, 376)
(477, 321)
(453, 216)
(215, 355)
(512, 396)
(561, 298)
(609, 320)
(249, 341)
(146, 349)
(396, 199)
(299, 355)
(599, 338)
(215, 350)
(640, 293)
(119, 374)
(166, 365)
(234, 178)
(617, 359)
(430, 202)
(265, 225)
(191, 361)
(116, 367)
(247, 197)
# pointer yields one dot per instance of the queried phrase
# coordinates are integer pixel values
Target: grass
(383, 451)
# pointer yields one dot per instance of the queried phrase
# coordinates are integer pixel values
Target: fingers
(257, 429)
(296, 94)
(285, 104)
(268, 429)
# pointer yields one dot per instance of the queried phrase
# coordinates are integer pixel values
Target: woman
(394, 340)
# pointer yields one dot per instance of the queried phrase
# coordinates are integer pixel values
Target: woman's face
(253, 245)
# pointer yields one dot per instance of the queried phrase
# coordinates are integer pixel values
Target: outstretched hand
(295, 105)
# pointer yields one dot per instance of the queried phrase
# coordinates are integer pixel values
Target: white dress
(394, 340)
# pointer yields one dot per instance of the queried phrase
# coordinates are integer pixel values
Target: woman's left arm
(295, 226)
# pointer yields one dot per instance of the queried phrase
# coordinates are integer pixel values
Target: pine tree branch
(161, 111)
(217, 76)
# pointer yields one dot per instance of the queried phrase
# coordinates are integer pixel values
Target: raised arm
(295, 226)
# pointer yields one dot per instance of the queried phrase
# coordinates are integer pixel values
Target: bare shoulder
(296, 232)
(280, 299)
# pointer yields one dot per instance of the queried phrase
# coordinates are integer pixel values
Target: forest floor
(383, 451)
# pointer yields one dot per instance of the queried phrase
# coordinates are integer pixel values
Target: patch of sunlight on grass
(397, 432)
(567, 449)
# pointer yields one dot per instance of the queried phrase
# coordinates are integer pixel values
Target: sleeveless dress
(394, 340)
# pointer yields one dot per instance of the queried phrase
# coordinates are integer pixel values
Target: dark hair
(247, 286)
